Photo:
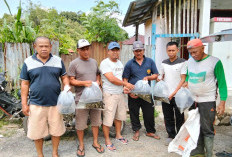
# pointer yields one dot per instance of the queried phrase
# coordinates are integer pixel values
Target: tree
(100, 24)
(75, 17)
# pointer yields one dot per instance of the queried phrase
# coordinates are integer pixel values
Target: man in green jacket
(205, 75)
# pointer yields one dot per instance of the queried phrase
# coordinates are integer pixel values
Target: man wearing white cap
(82, 72)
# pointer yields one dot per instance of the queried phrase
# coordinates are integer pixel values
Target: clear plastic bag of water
(161, 92)
(66, 103)
(91, 98)
(91, 94)
(142, 87)
(184, 99)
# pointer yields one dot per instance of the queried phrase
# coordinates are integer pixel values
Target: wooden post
(136, 32)
(184, 17)
(188, 7)
(170, 17)
(165, 17)
(179, 17)
(174, 23)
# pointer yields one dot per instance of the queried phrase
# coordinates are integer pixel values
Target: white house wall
(160, 53)
(222, 50)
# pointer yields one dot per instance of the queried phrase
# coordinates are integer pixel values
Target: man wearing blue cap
(115, 103)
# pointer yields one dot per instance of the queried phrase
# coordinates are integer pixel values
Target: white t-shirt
(116, 68)
(172, 72)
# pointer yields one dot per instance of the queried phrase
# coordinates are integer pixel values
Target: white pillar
(204, 23)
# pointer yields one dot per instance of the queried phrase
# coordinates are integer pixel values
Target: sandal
(83, 150)
(98, 149)
(153, 135)
(111, 147)
(122, 140)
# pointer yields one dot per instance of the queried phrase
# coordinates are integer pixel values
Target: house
(182, 20)
(132, 39)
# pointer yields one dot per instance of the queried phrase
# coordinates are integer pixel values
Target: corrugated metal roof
(138, 12)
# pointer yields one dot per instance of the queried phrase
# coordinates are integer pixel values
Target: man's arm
(220, 76)
(75, 82)
(152, 77)
(24, 95)
(65, 80)
(183, 77)
(110, 77)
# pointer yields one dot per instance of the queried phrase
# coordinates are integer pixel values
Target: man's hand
(145, 78)
(88, 83)
(171, 96)
(185, 85)
(126, 90)
(129, 86)
(133, 96)
(221, 108)
(25, 109)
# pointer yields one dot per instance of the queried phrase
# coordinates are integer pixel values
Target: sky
(71, 5)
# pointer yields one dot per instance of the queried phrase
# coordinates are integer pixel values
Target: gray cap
(138, 45)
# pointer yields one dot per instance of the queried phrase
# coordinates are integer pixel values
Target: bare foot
(136, 136)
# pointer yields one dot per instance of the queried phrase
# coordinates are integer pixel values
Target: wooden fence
(14, 54)
(12, 59)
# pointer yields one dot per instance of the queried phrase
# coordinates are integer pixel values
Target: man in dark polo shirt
(140, 68)
(40, 73)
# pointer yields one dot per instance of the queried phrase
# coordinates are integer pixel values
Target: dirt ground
(15, 143)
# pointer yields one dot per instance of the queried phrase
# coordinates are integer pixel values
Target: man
(140, 68)
(173, 71)
(205, 74)
(82, 72)
(40, 73)
(115, 106)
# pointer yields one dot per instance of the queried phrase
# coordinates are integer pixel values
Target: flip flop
(99, 148)
(78, 149)
(111, 147)
(122, 140)
(135, 138)
(153, 135)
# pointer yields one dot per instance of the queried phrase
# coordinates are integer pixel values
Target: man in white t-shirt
(115, 104)
(173, 71)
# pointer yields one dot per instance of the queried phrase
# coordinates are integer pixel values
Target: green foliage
(8, 6)
(16, 30)
(70, 15)
(66, 27)
(100, 24)
(56, 26)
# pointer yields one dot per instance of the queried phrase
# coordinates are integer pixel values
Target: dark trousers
(173, 119)
(207, 112)
(148, 114)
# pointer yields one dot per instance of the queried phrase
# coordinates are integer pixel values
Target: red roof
(132, 39)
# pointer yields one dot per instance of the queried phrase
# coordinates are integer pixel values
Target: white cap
(82, 43)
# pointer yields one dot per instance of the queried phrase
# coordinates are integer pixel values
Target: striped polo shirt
(44, 79)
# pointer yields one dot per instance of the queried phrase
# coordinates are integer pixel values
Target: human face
(139, 54)
(84, 52)
(114, 54)
(197, 53)
(172, 51)
(43, 48)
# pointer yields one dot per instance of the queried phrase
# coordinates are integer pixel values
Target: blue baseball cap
(113, 45)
